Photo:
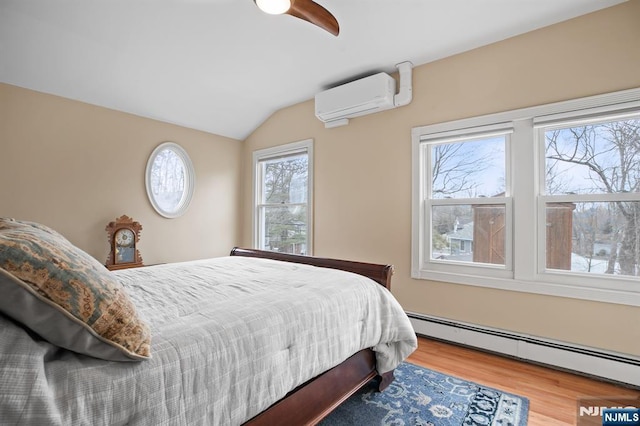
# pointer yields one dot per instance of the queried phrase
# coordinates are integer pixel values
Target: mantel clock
(123, 235)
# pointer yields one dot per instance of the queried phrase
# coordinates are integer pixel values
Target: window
(169, 179)
(467, 201)
(544, 200)
(590, 196)
(282, 201)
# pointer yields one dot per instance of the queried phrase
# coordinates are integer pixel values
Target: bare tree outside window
(468, 169)
(600, 163)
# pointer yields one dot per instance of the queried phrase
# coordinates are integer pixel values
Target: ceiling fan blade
(312, 12)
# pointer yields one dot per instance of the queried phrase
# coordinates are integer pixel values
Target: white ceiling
(223, 66)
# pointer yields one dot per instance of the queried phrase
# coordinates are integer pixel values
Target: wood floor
(553, 395)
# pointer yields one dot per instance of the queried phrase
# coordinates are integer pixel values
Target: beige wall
(75, 167)
(363, 171)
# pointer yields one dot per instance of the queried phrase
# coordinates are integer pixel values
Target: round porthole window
(170, 179)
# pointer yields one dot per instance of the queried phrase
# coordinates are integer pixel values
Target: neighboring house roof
(464, 232)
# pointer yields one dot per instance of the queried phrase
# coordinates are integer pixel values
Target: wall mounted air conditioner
(364, 96)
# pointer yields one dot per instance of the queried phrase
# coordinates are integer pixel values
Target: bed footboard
(311, 402)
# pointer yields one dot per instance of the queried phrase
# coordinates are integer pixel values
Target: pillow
(66, 296)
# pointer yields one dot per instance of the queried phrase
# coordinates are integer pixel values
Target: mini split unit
(365, 96)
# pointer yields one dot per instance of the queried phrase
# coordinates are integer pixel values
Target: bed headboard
(377, 272)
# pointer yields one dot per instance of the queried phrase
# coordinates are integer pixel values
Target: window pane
(599, 238)
(284, 229)
(167, 179)
(593, 159)
(468, 169)
(285, 180)
(469, 233)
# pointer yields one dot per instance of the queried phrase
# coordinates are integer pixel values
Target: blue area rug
(422, 397)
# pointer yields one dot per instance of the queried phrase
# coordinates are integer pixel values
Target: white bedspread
(231, 336)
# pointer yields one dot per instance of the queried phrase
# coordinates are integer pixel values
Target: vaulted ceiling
(223, 66)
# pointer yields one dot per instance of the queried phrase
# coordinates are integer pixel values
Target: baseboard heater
(612, 366)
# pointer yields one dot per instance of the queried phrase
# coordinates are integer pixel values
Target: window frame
(189, 180)
(457, 267)
(282, 151)
(528, 241)
(615, 282)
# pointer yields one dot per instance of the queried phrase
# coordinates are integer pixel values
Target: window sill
(573, 291)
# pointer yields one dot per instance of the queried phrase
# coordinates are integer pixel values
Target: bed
(252, 338)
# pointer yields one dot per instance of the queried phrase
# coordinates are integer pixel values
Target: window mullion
(524, 187)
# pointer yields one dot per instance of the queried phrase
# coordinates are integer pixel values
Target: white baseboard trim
(613, 366)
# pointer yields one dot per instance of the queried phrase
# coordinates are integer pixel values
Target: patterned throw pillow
(66, 296)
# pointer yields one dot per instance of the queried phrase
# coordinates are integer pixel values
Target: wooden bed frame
(314, 400)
